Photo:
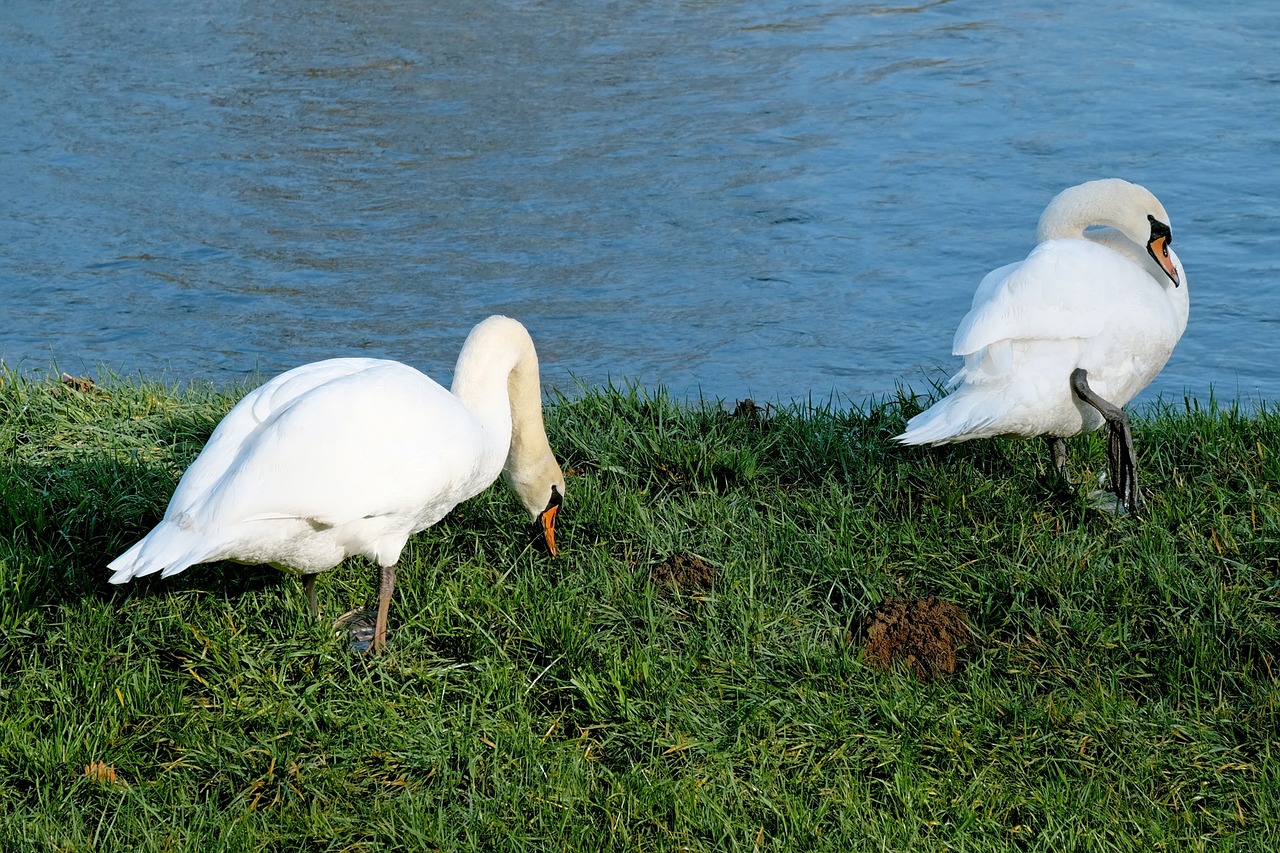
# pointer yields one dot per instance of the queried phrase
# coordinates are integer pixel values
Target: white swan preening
(353, 456)
(1055, 344)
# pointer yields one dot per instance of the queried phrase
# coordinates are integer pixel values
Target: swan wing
(248, 416)
(1064, 289)
(382, 441)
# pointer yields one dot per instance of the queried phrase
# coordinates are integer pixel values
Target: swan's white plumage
(352, 456)
(1094, 300)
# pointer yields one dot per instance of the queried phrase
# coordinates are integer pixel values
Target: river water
(776, 198)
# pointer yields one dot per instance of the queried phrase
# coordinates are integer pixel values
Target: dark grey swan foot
(367, 626)
(1122, 471)
(359, 623)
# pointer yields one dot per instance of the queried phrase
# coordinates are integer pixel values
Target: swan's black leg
(1121, 467)
(309, 586)
(1058, 449)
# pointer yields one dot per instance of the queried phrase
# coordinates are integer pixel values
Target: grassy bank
(1120, 692)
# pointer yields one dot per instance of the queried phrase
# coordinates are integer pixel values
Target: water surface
(779, 199)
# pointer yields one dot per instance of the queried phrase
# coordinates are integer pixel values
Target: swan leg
(1121, 467)
(386, 585)
(1058, 449)
(309, 586)
(367, 625)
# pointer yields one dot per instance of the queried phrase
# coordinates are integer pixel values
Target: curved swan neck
(480, 384)
(528, 432)
(1111, 202)
(497, 380)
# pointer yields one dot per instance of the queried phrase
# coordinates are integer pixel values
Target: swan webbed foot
(1120, 462)
(1122, 469)
(366, 625)
(1105, 500)
(358, 622)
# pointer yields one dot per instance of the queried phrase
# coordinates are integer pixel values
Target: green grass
(1121, 693)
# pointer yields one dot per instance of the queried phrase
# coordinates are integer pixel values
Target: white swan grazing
(353, 456)
(1055, 344)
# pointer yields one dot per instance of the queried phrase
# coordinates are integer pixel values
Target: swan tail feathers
(951, 419)
(165, 549)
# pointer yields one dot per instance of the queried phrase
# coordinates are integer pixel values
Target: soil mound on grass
(926, 633)
(687, 573)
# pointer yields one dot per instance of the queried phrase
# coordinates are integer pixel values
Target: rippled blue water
(772, 198)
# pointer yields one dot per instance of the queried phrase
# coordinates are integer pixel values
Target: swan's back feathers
(256, 409)
(360, 445)
(372, 445)
(1062, 290)
(165, 549)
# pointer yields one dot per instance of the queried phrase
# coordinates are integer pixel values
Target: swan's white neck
(1111, 202)
(496, 378)
(480, 382)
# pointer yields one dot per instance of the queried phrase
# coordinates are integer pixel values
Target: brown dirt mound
(684, 572)
(924, 632)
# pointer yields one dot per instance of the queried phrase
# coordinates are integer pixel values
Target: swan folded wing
(254, 411)
(385, 442)
(275, 395)
(1064, 289)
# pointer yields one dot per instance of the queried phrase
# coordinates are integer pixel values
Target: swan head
(547, 520)
(541, 490)
(1129, 208)
(1158, 248)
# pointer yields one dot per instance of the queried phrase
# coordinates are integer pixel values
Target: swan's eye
(1160, 233)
